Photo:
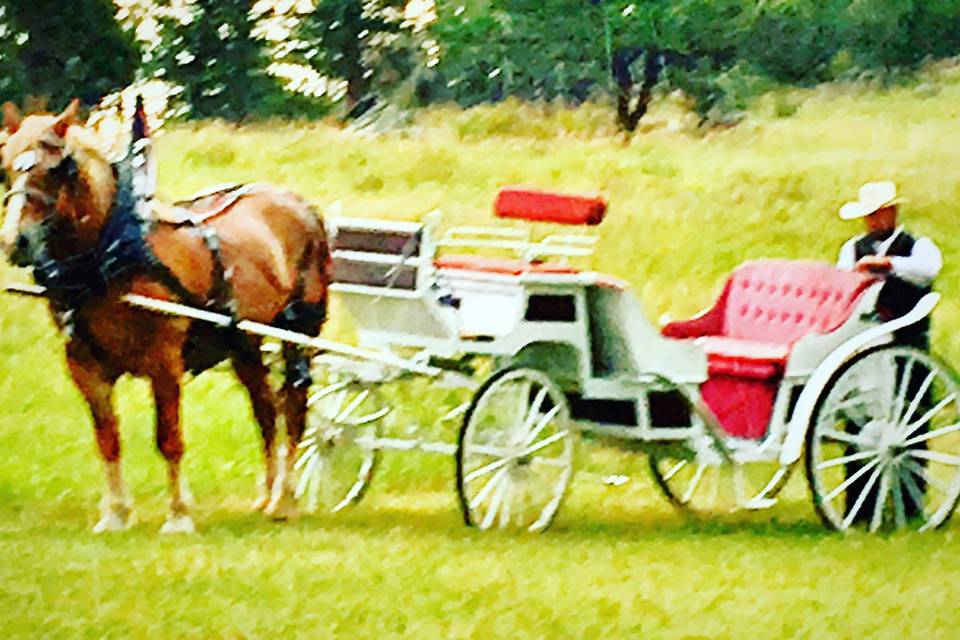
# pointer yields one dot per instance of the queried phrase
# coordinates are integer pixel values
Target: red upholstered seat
(765, 307)
(501, 266)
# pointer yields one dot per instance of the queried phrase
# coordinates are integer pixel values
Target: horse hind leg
(296, 385)
(116, 513)
(253, 374)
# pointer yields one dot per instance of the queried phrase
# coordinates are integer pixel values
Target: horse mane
(96, 172)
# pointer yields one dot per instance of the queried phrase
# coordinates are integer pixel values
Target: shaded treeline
(412, 54)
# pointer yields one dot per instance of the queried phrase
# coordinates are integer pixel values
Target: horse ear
(67, 118)
(11, 117)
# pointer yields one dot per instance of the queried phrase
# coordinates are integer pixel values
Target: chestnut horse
(264, 257)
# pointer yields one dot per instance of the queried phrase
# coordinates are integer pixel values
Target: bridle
(20, 193)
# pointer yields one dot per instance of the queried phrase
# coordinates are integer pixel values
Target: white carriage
(791, 361)
(791, 358)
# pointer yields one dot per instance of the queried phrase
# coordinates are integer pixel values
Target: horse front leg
(97, 389)
(166, 393)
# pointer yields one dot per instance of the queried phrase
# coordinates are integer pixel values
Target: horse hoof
(113, 517)
(178, 524)
(110, 522)
(260, 504)
(282, 507)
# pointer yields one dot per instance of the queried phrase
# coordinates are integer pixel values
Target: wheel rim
(516, 453)
(703, 483)
(884, 451)
(337, 456)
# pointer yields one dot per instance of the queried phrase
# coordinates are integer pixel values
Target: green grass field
(619, 562)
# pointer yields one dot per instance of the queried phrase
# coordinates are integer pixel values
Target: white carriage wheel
(883, 445)
(338, 453)
(701, 482)
(515, 453)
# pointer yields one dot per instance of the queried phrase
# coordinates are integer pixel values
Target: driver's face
(883, 219)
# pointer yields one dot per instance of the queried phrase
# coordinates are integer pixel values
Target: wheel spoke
(694, 482)
(915, 493)
(918, 397)
(492, 483)
(942, 431)
(352, 406)
(326, 391)
(312, 460)
(935, 456)
(494, 503)
(853, 401)
(853, 478)
(507, 500)
(485, 469)
(881, 500)
(929, 480)
(833, 462)
(872, 480)
(902, 389)
(486, 450)
(544, 421)
(841, 436)
(925, 418)
(370, 417)
(669, 475)
(549, 462)
(532, 414)
(899, 513)
(546, 442)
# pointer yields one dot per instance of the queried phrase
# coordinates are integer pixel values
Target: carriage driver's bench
(749, 334)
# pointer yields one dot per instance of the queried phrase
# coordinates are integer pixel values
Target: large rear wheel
(883, 445)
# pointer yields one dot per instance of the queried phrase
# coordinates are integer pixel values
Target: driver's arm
(921, 266)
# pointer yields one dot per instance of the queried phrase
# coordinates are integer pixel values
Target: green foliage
(54, 52)
(356, 41)
(531, 49)
(721, 52)
(214, 55)
(13, 80)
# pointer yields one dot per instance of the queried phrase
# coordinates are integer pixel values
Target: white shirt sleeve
(847, 255)
(921, 266)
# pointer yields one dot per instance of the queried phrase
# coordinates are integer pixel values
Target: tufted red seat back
(766, 306)
(783, 300)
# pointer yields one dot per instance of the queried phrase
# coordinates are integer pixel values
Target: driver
(909, 263)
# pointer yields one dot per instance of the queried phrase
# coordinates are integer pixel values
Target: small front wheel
(515, 453)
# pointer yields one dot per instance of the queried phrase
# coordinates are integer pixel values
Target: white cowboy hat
(872, 196)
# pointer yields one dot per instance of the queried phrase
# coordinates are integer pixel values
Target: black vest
(898, 296)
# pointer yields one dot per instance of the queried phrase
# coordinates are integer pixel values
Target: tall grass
(686, 207)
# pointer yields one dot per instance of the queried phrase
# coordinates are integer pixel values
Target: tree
(56, 51)
(210, 50)
(358, 41)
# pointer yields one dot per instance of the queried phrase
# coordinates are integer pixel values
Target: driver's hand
(874, 264)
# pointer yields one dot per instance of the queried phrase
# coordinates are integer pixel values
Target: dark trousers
(917, 336)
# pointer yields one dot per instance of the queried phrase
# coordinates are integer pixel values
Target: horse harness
(122, 251)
